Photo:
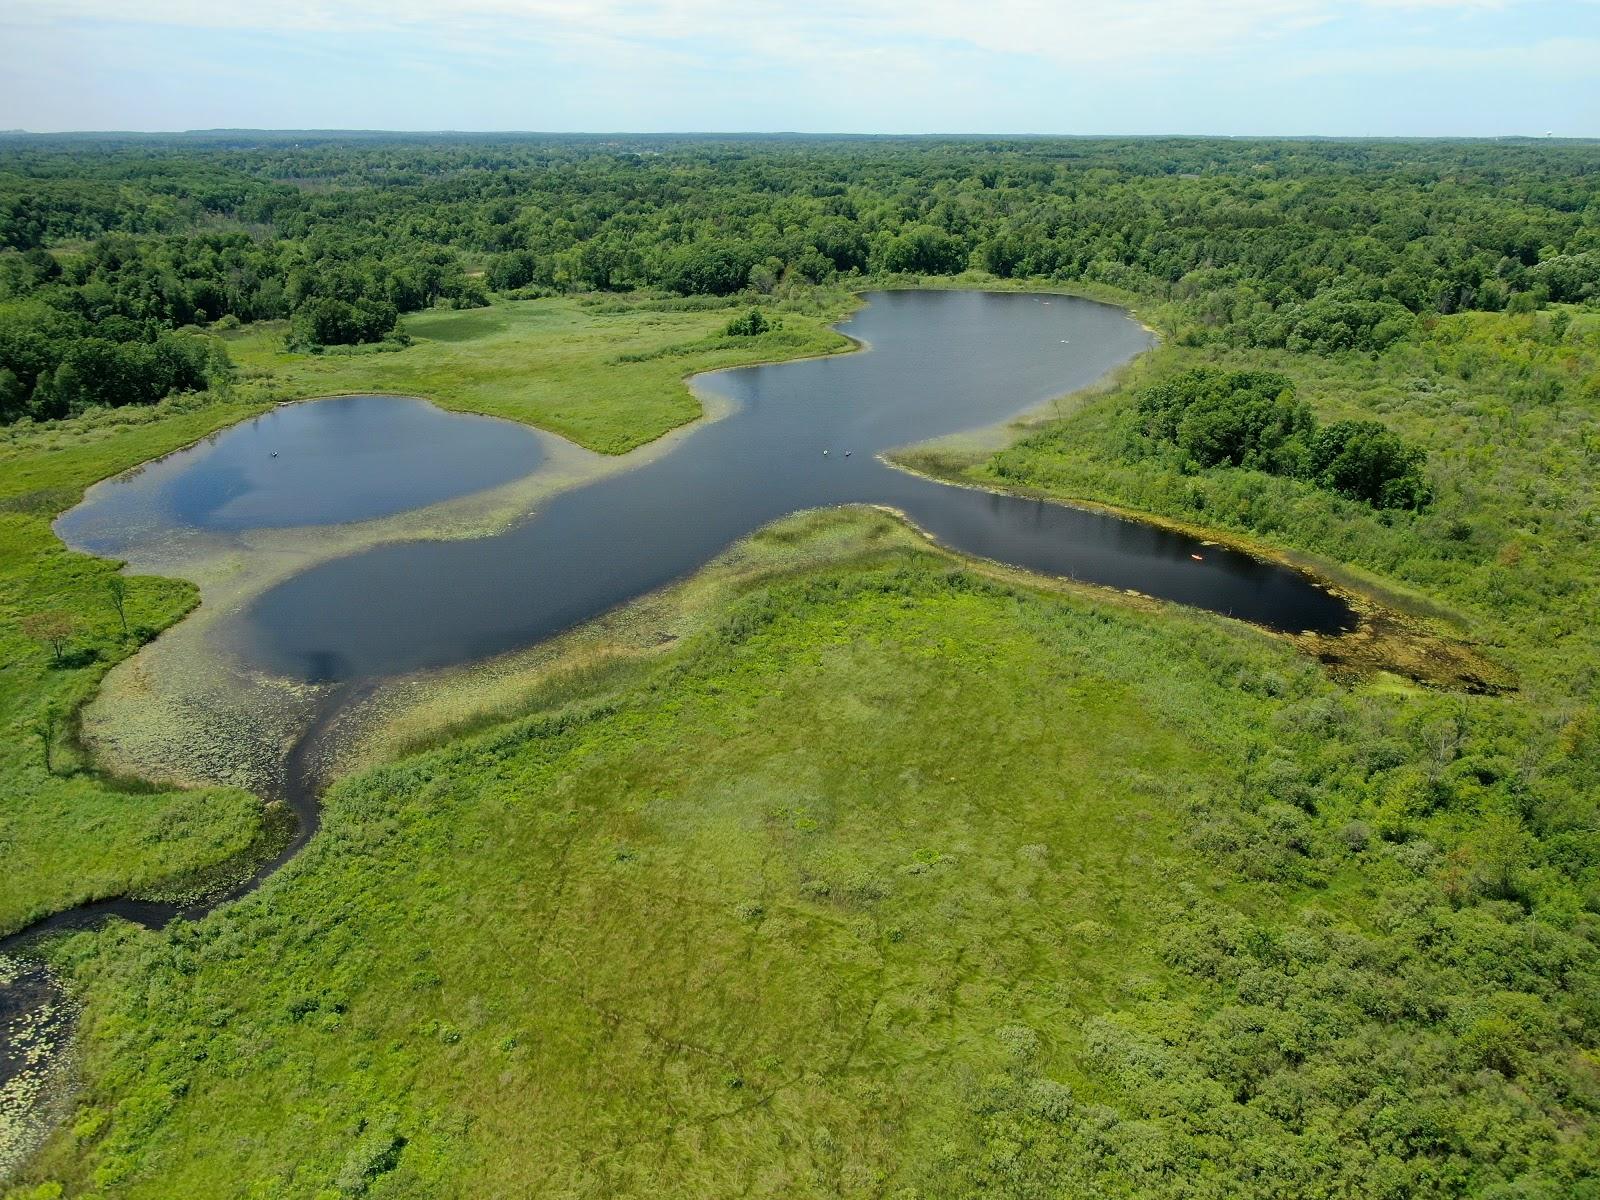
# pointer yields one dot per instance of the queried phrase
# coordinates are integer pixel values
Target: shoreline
(509, 511)
(303, 776)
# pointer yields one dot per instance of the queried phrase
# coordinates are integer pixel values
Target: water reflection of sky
(800, 435)
(349, 458)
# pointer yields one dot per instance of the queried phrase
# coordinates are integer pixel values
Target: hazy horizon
(1253, 68)
(778, 134)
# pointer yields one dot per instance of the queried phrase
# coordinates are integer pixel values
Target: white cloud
(1068, 32)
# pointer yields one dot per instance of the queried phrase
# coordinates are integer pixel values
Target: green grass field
(70, 837)
(67, 834)
(607, 376)
(720, 910)
(896, 880)
(764, 921)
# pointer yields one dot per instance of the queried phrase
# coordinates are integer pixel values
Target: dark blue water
(802, 435)
(940, 362)
(348, 458)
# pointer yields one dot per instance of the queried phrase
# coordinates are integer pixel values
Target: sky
(1280, 67)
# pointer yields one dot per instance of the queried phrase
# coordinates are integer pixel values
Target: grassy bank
(1508, 410)
(761, 919)
(608, 374)
(605, 373)
(69, 835)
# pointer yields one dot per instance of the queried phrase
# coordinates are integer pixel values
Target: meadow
(69, 833)
(754, 914)
(761, 920)
(75, 834)
(606, 374)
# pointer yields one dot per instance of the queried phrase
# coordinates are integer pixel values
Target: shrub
(330, 322)
(1251, 419)
(1230, 418)
(375, 1153)
(750, 324)
(1365, 461)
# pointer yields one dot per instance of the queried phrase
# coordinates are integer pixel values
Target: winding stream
(795, 436)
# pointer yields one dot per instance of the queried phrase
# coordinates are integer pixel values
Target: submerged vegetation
(879, 874)
(74, 834)
(68, 833)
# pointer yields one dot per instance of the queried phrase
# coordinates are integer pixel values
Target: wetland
(793, 436)
(700, 811)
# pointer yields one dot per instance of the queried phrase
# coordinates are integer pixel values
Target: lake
(799, 435)
(346, 458)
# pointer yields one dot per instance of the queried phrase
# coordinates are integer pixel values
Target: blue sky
(1377, 67)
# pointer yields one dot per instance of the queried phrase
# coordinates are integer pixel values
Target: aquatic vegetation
(68, 833)
(75, 834)
(36, 1018)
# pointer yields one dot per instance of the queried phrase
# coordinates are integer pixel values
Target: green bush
(1251, 419)
(1231, 418)
(1365, 461)
(329, 322)
(750, 324)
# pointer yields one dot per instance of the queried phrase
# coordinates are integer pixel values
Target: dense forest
(115, 246)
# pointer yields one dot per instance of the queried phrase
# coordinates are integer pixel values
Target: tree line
(1315, 246)
(1252, 419)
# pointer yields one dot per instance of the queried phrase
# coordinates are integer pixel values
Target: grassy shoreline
(839, 907)
(267, 379)
(92, 847)
(608, 381)
(597, 702)
(74, 835)
(975, 942)
(1407, 635)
